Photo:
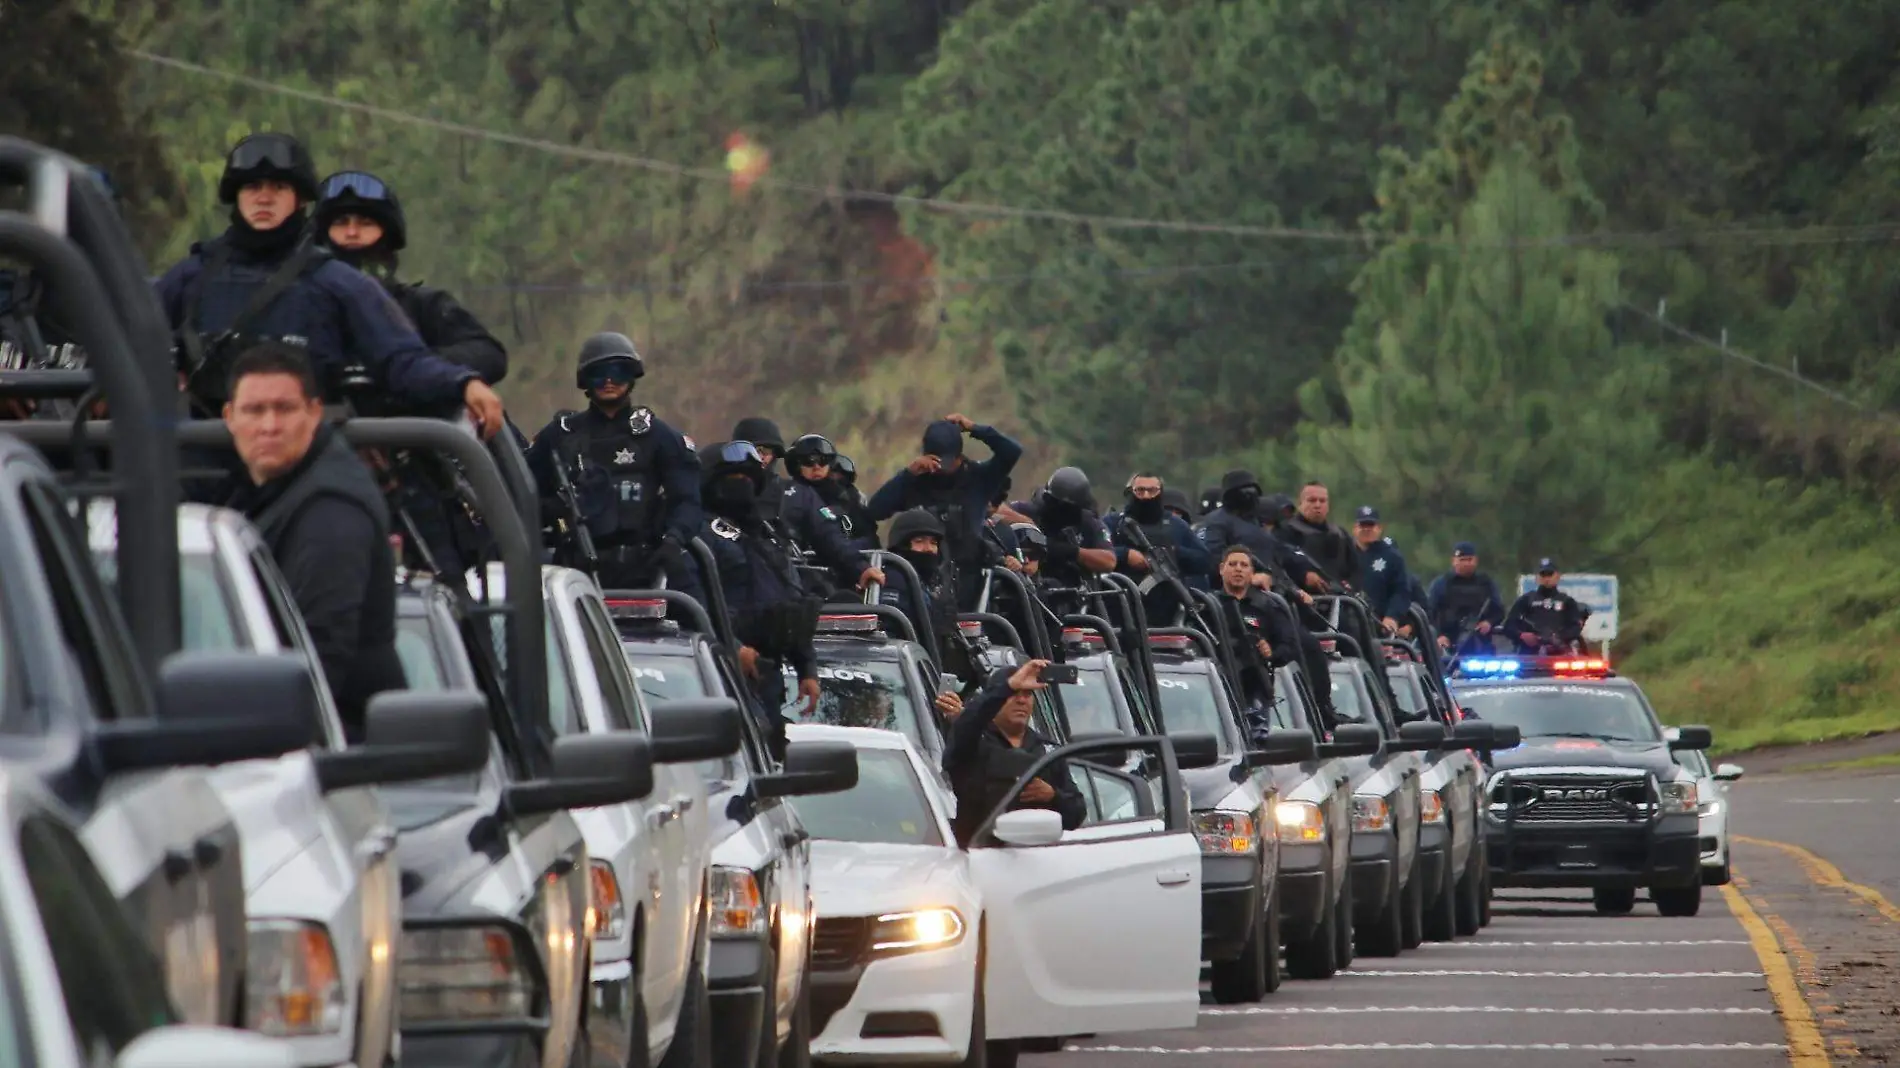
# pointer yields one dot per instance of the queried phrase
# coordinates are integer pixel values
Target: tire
(1386, 936)
(1344, 932)
(1441, 919)
(1275, 974)
(766, 1056)
(639, 1047)
(1412, 917)
(977, 1055)
(1316, 956)
(1470, 891)
(1677, 900)
(1717, 876)
(1614, 901)
(692, 1036)
(1485, 891)
(1243, 980)
(796, 1052)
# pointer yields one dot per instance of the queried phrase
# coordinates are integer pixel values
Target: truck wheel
(1470, 903)
(1614, 900)
(1274, 973)
(1441, 920)
(1677, 900)
(1386, 936)
(1413, 915)
(1243, 980)
(796, 1052)
(1484, 891)
(1315, 956)
(1344, 930)
(692, 1036)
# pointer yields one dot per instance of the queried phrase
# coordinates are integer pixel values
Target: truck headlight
(454, 975)
(1370, 814)
(1226, 834)
(1431, 806)
(606, 910)
(898, 933)
(1710, 808)
(1299, 821)
(291, 982)
(1679, 797)
(737, 907)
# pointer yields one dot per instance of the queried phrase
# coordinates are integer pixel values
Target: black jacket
(451, 330)
(982, 765)
(328, 528)
(1328, 545)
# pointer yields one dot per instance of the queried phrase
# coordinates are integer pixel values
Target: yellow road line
(1826, 874)
(1806, 1049)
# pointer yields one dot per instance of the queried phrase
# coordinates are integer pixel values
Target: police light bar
(1079, 636)
(1170, 641)
(1490, 667)
(847, 624)
(1585, 667)
(636, 609)
(971, 628)
(1328, 646)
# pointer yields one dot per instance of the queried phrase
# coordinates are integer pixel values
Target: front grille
(1571, 799)
(838, 942)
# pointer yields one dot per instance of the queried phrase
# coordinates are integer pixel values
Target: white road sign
(1597, 592)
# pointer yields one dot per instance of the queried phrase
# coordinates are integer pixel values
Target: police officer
(634, 479)
(991, 746)
(1243, 519)
(808, 515)
(1178, 505)
(844, 474)
(1465, 603)
(1079, 546)
(1210, 500)
(360, 220)
(773, 615)
(945, 481)
(1328, 546)
(917, 537)
(1167, 534)
(1383, 576)
(999, 534)
(1547, 615)
(261, 279)
(1265, 639)
(764, 435)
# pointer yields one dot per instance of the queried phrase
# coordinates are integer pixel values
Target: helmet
(1031, 538)
(723, 458)
(844, 467)
(606, 348)
(759, 430)
(1070, 486)
(268, 155)
(362, 193)
(911, 524)
(811, 446)
(1177, 500)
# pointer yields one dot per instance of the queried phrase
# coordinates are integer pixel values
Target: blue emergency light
(1489, 668)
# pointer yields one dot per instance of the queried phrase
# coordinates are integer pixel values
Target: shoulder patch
(690, 447)
(640, 420)
(562, 419)
(726, 529)
(825, 510)
(790, 490)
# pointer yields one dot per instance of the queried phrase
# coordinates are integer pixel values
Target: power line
(1747, 236)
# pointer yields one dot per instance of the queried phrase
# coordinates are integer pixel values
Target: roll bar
(890, 617)
(1355, 616)
(1039, 647)
(95, 281)
(1140, 655)
(1099, 626)
(919, 608)
(696, 617)
(715, 592)
(1198, 637)
(1011, 637)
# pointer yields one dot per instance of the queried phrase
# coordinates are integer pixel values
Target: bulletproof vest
(1464, 597)
(301, 314)
(1064, 574)
(616, 468)
(1325, 544)
(945, 498)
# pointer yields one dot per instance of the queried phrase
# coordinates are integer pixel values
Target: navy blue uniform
(1062, 565)
(817, 526)
(1385, 580)
(1459, 604)
(1222, 528)
(637, 482)
(759, 578)
(960, 499)
(338, 314)
(1171, 535)
(1545, 612)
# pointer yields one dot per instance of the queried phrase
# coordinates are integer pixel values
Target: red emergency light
(1583, 667)
(852, 624)
(1080, 636)
(642, 608)
(1170, 641)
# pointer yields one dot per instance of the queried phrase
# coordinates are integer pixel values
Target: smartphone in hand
(1058, 674)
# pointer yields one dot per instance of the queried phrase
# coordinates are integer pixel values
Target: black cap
(759, 430)
(1237, 479)
(1367, 514)
(910, 524)
(1547, 566)
(1465, 548)
(943, 439)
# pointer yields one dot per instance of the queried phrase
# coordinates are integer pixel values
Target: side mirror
(590, 770)
(812, 767)
(1728, 772)
(685, 732)
(1283, 747)
(1693, 738)
(412, 734)
(1029, 827)
(1506, 736)
(1196, 750)
(1110, 759)
(1353, 740)
(1419, 736)
(1471, 734)
(187, 1046)
(218, 708)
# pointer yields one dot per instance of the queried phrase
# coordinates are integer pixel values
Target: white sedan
(925, 952)
(1712, 785)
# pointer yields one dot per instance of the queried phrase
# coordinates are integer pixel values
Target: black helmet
(723, 458)
(811, 447)
(1033, 541)
(911, 524)
(362, 193)
(268, 155)
(1070, 486)
(759, 430)
(845, 468)
(606, 348)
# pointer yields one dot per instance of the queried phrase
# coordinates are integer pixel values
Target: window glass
(860, 693)
(1090, 704)
(208, 618)
(415, 647)
(609, 664)
(676, 678)
(564, 707)
(78, 605)
(1190, 705)
(1350, 704)
(1410, 693)
(887, 806)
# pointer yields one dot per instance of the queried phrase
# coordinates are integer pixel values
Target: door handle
(379, 844)
(660, 816)
(1173, 878)
(684, 803)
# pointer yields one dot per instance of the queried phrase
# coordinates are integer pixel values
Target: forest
(1609, 280)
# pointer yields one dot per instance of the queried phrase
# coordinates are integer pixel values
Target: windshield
(1349, 702)
(887, 805)
(664, 677)
(1555, 710)
(1189, 705)
(1090, 702)
(422, 666)
(860, 693)
(209, 619)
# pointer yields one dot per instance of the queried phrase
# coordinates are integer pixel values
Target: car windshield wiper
(1578, 734)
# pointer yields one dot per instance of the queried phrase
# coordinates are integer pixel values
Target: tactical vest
(299, 315)
(616, 467)
(1464, 598)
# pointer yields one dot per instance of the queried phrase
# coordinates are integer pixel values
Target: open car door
(1097, 929)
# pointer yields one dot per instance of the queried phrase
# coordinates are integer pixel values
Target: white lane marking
(1399, 1047)
(1540, 945)
(1556, 975)
(1828, 800)
(1341, 1010)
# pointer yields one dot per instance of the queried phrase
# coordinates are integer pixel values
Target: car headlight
(1679, 797)
(1370, 814)
(606, 910)
(1431, 806)
(464, 974)
(898, 933)
(1226, 834)
(737, 907)
(292, 985)
(1299, 821)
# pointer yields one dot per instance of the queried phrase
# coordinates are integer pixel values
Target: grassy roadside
(1767, 610)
